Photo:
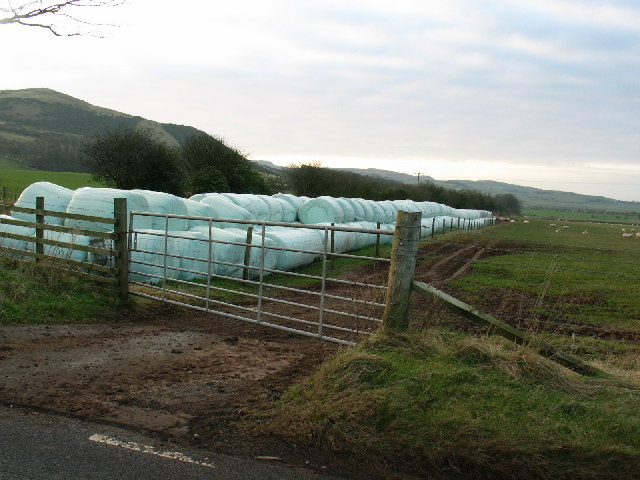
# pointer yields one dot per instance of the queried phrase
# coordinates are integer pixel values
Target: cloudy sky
(544, 93)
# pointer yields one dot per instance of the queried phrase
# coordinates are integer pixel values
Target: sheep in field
(627, 235)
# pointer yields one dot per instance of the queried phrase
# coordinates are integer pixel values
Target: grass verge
(38, 293)
(440, 404)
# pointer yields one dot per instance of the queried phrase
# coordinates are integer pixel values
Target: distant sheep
(638, 234)
(586, 232)
(565, 226)
(627, 235)
(552, 224)
(526, 221)
(558, 230)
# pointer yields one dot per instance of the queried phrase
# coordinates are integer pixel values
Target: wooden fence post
(377, 240)
(120, 248)
(39, 231)
(403, 264)
(247, 254)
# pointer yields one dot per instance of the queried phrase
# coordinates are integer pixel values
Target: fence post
(433, 226)
(377, 240)
(39, 231)
(403, 264)
(120, 248)
(247, 254)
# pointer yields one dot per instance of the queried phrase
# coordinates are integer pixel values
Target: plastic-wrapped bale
(349, 212)
(270, 255)
(358, 209)
(390, 211)
(407, 205)
(289, 213)
(298, 239)
(321, 210)
(98, 202)
(152, 243)
(194, 255)
(367, 210)
(362, 239)
(198, 209)
(296, 202)
(228, 257)
(64, 252)
(276, 212)
(226, 209)
(165, 203)
(258, 209)
(387, 238)
(342, 241)
(198, 196)
(425, 226)
(56, 198)
(378, 213)
(15, 230)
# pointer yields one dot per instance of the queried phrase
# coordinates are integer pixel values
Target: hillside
(530, 197)
(45, 129)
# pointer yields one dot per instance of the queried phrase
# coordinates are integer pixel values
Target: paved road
(38, 446)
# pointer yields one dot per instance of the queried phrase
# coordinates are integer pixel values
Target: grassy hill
(45, 129)
(531, 199)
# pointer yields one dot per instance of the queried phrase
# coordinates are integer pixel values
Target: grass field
(6, 163)
(630, 217)
(17, 180)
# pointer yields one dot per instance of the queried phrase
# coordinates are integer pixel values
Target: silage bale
(98, 202)
(294, 201)
(256, 252)
(226, 209)
(225, 250)
(369, 216)
(321, 210)
(349, 212)
(289, 213)
(16, 230)
(258, 209)
(153, 243)
(56, 198)
(298, 239)
(64, 252)
(358, 209)
(276, 213)
(165, 203)
(378, 212)
(342, 241)
(198, 209)
(194, 252)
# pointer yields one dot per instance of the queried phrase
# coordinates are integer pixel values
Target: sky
(543, 93)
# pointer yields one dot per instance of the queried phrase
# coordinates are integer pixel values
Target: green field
(17, 180)
(629, 217)
(6, 163)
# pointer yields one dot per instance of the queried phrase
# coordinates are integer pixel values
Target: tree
(205, 155)
(130, 158)
(51, 15)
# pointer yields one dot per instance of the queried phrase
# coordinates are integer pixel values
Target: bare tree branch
(44, 14)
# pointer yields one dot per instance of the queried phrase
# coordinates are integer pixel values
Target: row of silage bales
(355, 213)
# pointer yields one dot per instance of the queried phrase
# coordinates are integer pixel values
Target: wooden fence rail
(114, 273)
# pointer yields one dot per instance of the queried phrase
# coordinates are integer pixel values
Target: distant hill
(536, 198)
(45, 129)
(530, 197)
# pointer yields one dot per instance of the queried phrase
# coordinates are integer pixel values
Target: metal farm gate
(251, 271)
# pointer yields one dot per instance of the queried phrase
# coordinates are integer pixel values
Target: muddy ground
(185, 376)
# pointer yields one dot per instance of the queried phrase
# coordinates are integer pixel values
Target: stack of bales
(212, 242)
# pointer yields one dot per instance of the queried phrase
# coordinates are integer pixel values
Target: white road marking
(146, 449)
